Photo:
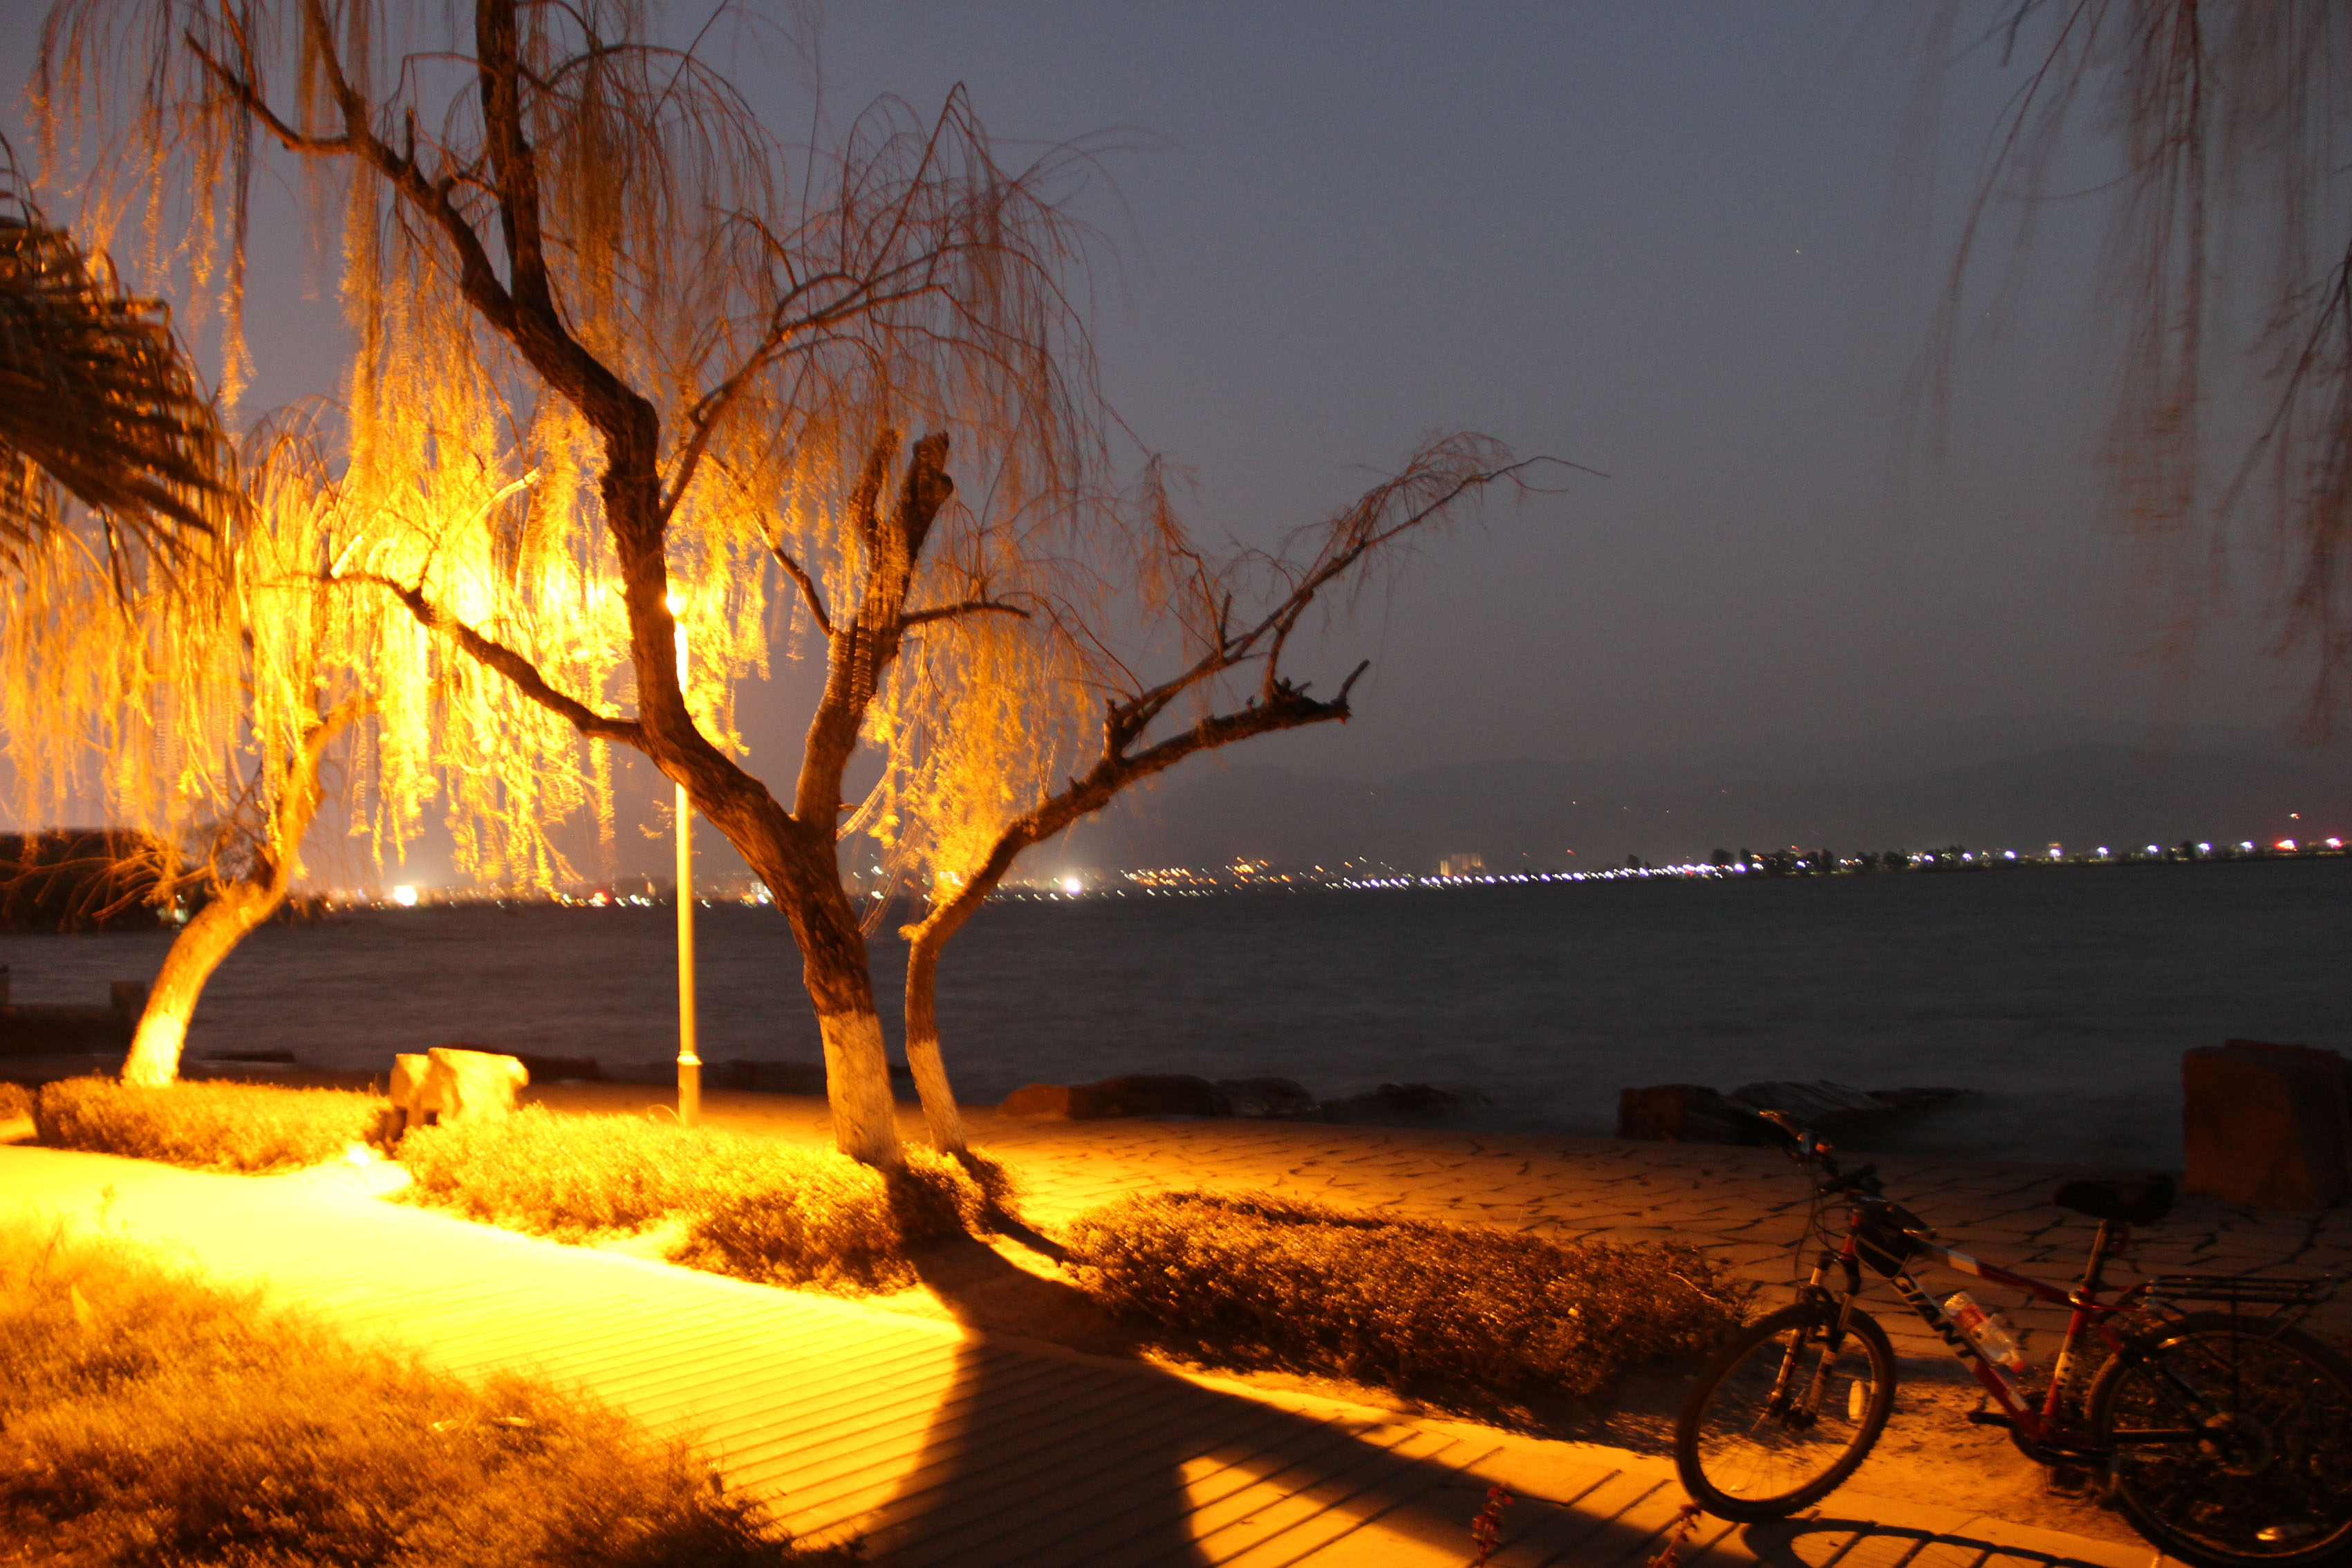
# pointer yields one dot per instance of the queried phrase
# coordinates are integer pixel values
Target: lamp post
(689, 1066)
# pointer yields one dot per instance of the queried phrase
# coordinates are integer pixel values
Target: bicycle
(2225, 1436)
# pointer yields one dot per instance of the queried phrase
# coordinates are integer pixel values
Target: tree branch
(807, 586)
(969, 608)
(495, 655)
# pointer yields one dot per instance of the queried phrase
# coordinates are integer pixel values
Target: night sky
(1675, 243)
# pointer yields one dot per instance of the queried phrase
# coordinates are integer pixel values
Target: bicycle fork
(1832, 1337)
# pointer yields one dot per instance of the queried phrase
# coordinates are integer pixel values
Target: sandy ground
(1747, 1206)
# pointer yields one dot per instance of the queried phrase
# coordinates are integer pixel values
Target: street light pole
(689, 1066)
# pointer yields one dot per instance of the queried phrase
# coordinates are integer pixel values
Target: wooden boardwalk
(943, 1446)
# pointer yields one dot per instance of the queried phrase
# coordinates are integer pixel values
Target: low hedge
(146, 1416)
(574, 1177)
(16, 1100)
(836, 1224)
(753, 1207)
(1466, 1318)
(209, 1126)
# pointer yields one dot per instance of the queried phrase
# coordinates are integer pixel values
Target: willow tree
(2227, 267)
(567, 250)
(100, 411)
(961, 813)
(205, 710)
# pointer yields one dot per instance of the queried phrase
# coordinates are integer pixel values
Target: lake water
(2064, 995)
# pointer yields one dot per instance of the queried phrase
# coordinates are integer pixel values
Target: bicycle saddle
(2143, 1202)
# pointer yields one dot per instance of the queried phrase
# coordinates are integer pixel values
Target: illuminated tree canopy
(616, 349)
(665, 353)
(202, 711)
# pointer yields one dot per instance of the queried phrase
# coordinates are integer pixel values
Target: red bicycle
(2224, 1433)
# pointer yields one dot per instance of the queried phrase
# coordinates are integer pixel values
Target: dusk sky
(1664, 241)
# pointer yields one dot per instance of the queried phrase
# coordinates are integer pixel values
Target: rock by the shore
(1269, 1098)
(1695, 1113)
(1274, 1099)
(2267, 1126)
(1684, 1113)
(1406, 1104)
(1038, 1101)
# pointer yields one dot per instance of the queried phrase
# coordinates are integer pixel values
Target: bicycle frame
(1871, 1220)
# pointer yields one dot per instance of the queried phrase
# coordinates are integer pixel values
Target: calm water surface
(2064, 995)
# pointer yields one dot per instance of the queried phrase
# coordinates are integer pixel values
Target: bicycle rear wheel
(1782, 1416)
(2231, 1442)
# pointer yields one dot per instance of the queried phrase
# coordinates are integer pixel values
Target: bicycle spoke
(2235, 1444)
(1783, 1418)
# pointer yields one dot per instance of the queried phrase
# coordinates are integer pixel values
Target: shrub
(16, 1100)
(147, 1418)
(211, 1126)
(574, 1177)
(755, 1209)
(1461, 1316)
(834, 1224)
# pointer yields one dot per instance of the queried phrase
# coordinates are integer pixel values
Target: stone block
(1276, 1098)
(452, 1084)
(469, 1085)
(1143, 1094)
(1684, 1113)
(1041, 1101)
(2267, 1126)
(1403, 1104)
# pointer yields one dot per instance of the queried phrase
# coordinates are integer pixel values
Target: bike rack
(2242, 1290)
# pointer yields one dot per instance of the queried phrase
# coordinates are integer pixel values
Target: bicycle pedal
(1990, 1418)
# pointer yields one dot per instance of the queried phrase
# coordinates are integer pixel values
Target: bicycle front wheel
(1782, 1416)
(2231, 1440)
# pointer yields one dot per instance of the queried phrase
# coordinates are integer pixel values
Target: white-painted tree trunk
(237, 907)
(196, 953)
(941, 1117)
(858, 1085)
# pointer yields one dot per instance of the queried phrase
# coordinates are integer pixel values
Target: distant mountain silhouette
(1525, 812)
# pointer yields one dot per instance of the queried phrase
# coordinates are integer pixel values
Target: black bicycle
(2224, 1433)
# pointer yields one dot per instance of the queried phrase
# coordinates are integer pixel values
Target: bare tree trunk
(940, 1117)
(237, 907)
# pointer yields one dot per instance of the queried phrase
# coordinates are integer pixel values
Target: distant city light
(2286, 843)
(1073, 886)
(404, 896)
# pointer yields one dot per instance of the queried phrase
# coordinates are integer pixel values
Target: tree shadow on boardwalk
(1042, 1456)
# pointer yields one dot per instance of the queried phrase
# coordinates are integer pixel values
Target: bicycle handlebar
(1811, 1150)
